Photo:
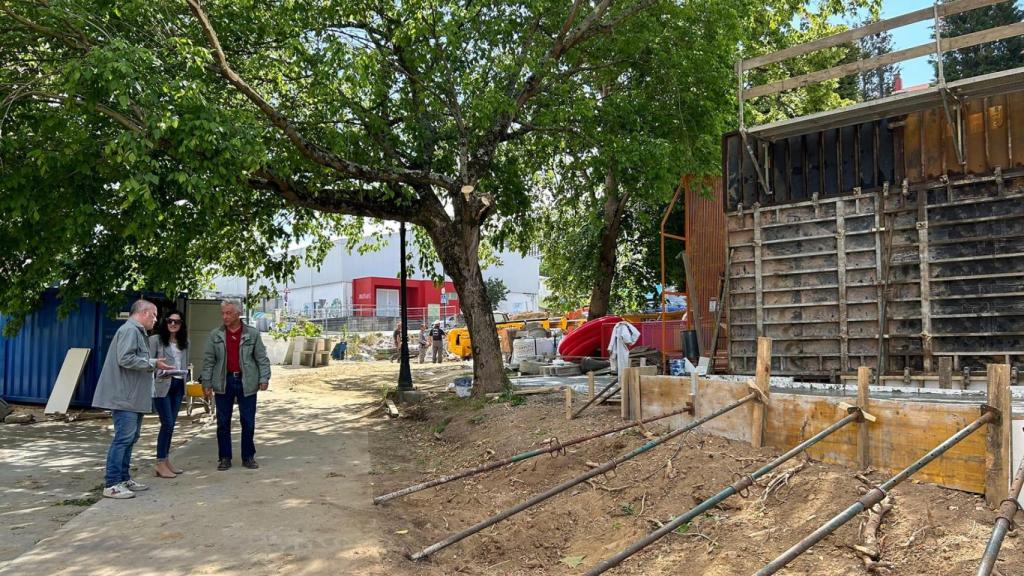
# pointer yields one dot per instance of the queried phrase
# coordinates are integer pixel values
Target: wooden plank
(624, 379)
(67, 380)
(934, 121)
(974, 137)
(998, 436)
(863, 402)
(997, 129)
(844, 334)
(922, 245)
(1015, 117)
(758, 279)
(660, 395)
(568, 402)
(904, 431)
(590, 383)
(758, 412)
(945, 372)
(634, 395)
(912, 147)
(948, 44)
(846, 36)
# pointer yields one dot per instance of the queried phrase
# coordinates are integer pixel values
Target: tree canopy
(609, 197)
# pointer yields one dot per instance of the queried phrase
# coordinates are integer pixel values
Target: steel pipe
(1004, 520)
(606, 467)
(554, 447)
(736, 487)
(875, 495)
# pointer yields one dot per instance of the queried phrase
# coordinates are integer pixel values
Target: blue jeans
(167, 408)
(127, 426)
(246, 415)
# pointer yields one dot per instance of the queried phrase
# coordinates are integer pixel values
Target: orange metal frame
(664, 292)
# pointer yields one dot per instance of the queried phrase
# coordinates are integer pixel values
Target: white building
(331, 285)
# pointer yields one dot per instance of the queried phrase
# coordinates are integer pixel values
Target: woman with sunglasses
(171, 343)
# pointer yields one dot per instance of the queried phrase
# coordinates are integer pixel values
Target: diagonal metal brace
(757, 165)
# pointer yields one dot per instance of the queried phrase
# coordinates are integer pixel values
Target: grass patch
(478, 419)
(440, 427)
(511, 398)
(87, 501)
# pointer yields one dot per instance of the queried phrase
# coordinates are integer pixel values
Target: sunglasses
(173, 321)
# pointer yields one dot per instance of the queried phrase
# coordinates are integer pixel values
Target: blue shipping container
(31, 360)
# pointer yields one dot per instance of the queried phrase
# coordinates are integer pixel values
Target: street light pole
(404, 371)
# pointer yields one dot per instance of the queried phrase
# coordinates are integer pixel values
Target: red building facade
(378, 296)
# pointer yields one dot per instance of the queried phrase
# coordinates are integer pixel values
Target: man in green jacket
(235, 368)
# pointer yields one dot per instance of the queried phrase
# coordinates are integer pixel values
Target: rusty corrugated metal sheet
(705, 246)
(867, 157)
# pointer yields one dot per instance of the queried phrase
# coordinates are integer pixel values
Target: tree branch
(351, 201)
(310, 150)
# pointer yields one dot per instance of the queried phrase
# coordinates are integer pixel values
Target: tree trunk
(604, 274)
(457, 244)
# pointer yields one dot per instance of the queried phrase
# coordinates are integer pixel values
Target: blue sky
(918, 70)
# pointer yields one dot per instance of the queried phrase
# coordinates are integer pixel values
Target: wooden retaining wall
(905, 429)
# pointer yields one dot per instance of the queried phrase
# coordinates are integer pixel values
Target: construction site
(833, 387)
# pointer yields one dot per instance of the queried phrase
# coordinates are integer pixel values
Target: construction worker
(437, 342)
(424, 342)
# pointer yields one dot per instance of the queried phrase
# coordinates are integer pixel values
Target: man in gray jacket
(235, 368)
(125, 388)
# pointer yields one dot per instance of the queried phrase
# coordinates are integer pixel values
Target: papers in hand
(171, 373)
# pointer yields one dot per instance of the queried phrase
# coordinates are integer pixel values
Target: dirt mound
(929, 531)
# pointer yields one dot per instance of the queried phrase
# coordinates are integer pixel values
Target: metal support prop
(1004, 523)
(876, 495)
(606, 467)
(736, 487)
(607, 389)
(555, 446)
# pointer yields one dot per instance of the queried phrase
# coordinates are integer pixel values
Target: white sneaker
(118, 491)
(135, 486)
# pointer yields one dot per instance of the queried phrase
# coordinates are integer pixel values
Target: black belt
(235, 374)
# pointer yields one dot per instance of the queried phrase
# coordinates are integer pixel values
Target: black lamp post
(404, 371)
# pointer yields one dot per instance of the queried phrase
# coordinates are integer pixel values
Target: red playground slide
(585, 340)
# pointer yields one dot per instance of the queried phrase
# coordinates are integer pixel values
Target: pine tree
(877, 83)
(985, 58)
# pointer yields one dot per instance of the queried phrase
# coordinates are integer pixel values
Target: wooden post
(997, 442)
(634, 395)
(568, 402)
(590, 383)
(759, 410)
(863, 393)
(624, 378)
(945, 372)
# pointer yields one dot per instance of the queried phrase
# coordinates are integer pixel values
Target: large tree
(984, 58)
(647, 130)
(143, 141)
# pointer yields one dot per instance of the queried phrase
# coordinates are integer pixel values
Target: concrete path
(306, 511)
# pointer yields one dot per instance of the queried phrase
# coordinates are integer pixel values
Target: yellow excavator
(459, 342)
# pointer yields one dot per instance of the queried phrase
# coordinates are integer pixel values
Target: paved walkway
(306, 511)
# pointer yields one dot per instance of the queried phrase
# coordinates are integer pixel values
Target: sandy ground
(324, 453)
(51, 471)
(307, 510)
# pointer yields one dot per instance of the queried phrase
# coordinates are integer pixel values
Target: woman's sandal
(159, 474)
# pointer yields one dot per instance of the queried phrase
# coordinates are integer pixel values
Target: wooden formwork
(904, 430)
(877, 247)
